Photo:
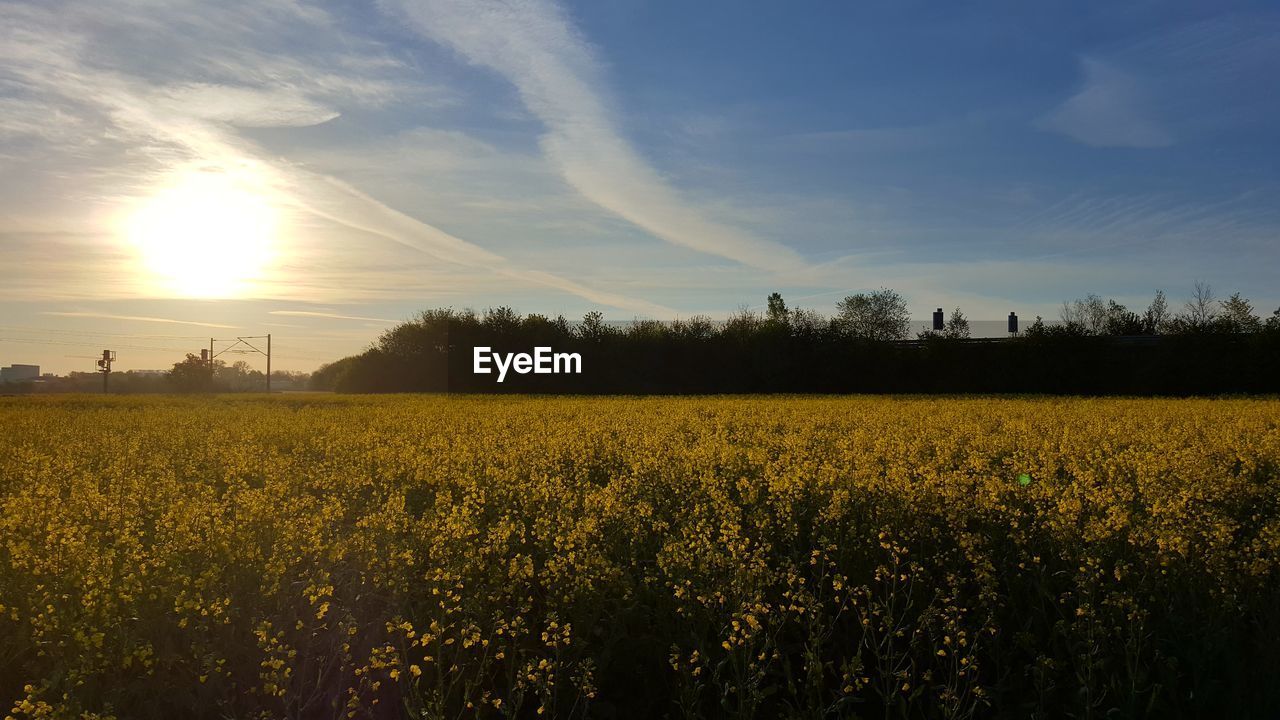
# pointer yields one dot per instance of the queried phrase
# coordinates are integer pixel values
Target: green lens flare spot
(1024, 479)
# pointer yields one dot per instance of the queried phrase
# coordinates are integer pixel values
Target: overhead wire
(61, 338)
(292, 355)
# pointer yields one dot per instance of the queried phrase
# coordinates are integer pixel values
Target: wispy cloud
(331, 316)
(244, 106)
(333, 199)
(137, 318)
(404, 184)
(1104, 226)
(1174, 84)
(534, 44)
(184, 121)
(1110, 110)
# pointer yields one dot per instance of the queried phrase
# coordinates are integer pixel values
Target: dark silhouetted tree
(1088, 314)
(593, 327)
(698, 327)
(1200, 310)
(1156, 318)
(192, 374)
(777, 313)
(878, 315)
(957, 326)
(501, 320)
(326, 376)
(748, 353)
(1237, 315)
(807, 323)
(1120, 321)
(742, 323)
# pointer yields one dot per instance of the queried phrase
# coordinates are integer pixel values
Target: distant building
(19, 373)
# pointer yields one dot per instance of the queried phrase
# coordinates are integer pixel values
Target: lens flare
(205, 234)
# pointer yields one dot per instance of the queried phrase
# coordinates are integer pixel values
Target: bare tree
(1088, 313)
(1200, 309)
(1070, 315)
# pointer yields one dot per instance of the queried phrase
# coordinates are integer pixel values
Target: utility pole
(210, 364)
(242, 346)
(104, 365)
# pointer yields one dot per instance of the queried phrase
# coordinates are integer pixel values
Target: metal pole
(268, 362)
(210, 364)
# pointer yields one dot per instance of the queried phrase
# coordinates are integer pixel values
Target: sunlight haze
(322, 170)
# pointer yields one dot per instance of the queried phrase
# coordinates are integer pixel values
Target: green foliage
(777, 310)
(1156, 318)
(879, 315)
(192, 374)
(956, 328)
(1237, 315)
(330, 375)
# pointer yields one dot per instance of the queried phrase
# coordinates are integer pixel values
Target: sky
(172, 171)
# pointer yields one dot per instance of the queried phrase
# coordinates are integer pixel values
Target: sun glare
(205, 234)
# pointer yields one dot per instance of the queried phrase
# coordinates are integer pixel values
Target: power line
(300, 353)
(247, 349)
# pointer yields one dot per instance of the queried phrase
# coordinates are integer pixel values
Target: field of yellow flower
(767, 557)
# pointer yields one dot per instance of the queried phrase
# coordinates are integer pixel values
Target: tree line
(187, 376)
(1097, 346)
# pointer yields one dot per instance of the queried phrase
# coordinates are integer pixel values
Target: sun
(204, 234)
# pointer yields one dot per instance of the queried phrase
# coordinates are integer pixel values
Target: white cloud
(410, 208)
(1110, 110)
(137, 318)
(159, 118)
(332, 316)
(536, 47)
(244, 106)
(1175, 84)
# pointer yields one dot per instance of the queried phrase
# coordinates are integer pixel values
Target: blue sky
(319, 170)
